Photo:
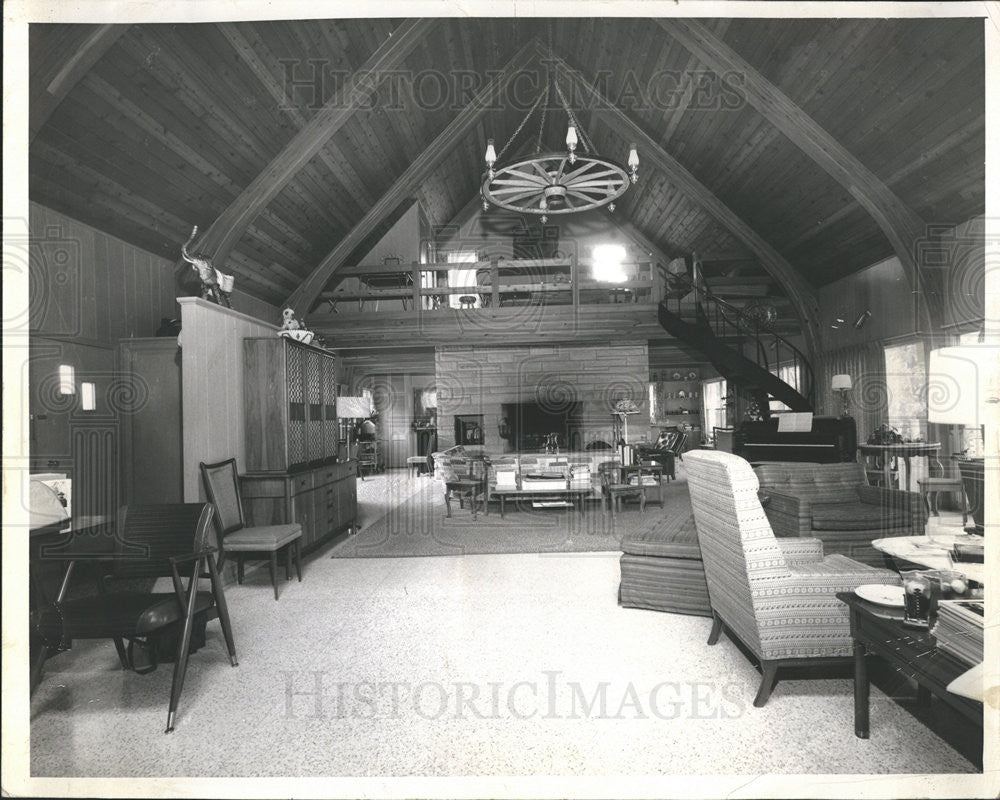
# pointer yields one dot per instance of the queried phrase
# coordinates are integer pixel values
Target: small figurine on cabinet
(293, 329)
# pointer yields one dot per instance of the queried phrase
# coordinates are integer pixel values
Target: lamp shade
(959, 381)
(354, 407)
(626, 406)
(841, 382)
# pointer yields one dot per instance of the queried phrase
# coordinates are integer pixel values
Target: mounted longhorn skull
(215, 285)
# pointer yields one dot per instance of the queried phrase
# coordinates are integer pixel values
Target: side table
(879, 630)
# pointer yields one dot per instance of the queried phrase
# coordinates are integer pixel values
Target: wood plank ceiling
(170, 123)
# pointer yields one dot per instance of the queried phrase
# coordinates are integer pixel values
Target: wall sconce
(67, 379)
(88, 396)
(863, 317)
(843, 384)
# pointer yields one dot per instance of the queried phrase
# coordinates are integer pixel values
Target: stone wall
(478, 380)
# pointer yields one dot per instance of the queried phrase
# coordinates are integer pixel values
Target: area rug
(414, 523)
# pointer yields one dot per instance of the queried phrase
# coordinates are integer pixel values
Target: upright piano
(830, 440)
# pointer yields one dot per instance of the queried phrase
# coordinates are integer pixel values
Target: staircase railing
(728, 322)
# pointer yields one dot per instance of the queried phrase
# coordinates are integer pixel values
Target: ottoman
(661, 570)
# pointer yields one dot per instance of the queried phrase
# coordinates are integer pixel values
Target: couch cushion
(856, 517)
(675, 538)
(815, 482)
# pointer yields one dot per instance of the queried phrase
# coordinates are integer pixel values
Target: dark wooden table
(575, 495)
(879, 630)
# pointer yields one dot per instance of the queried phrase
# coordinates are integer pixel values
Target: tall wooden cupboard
(292, 473)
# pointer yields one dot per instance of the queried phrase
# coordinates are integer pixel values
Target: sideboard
(323, 499)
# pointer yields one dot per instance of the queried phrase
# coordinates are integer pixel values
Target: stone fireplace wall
(478, 380)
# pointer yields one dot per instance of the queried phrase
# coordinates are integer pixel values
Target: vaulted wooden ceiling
(145, 130)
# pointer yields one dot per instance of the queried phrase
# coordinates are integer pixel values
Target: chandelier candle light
(555, 182)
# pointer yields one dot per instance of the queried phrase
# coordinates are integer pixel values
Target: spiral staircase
(739, 345)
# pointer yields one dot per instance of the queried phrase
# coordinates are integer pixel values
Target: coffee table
(879, 630)
(932, 552)
(574, 495)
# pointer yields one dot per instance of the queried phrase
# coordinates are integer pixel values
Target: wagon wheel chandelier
(555, 182)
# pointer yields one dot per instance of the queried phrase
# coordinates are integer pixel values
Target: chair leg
(223, 609)
(239, 568)
(713, 635)
(36, 668)
(298, 559)
(272, 564)
(769, 669)
(120, 647)
(288, 561)
(180, 666)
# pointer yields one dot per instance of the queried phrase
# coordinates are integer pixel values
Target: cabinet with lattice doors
(290, 405)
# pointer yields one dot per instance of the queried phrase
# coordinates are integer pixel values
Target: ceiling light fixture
(550, 183)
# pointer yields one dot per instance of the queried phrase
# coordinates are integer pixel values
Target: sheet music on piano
(795, 422)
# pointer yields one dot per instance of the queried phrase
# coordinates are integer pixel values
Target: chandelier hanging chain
(541, 121)
(520, 127)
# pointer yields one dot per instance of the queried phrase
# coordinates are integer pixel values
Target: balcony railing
(427, 288)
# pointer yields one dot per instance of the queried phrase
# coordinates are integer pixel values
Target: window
(790, 374)
(462, 277)
(714, 394)
(905, 379)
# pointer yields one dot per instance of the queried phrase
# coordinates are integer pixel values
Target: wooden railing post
(494, 282)
(418, 301)
(574, 277)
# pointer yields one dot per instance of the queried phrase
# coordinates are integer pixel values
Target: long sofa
(834, 503)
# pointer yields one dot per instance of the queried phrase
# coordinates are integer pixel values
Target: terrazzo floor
(504, 664)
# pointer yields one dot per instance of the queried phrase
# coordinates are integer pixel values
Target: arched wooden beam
(901, 225)
(232, 223)
(800, 292)
(304, 297)
(46, 99)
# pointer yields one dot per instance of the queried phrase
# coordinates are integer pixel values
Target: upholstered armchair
(834, 503)
(777, 596)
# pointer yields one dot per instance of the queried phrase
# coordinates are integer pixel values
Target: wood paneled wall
(212, 365)
(87, 284)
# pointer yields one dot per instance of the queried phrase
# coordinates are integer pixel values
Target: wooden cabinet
(290, 404)
(292, 430)
(152, 466)
(324, 500)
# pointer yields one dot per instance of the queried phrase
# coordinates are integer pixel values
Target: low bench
(661, 569)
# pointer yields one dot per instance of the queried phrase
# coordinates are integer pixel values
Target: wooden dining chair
(223, 489)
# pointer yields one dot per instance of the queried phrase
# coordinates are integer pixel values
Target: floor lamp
(624, 408)
(353, 408)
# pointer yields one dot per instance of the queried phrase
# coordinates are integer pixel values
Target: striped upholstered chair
(776, 595)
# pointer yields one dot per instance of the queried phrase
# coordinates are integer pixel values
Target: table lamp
(623, 408)
(843, 384)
